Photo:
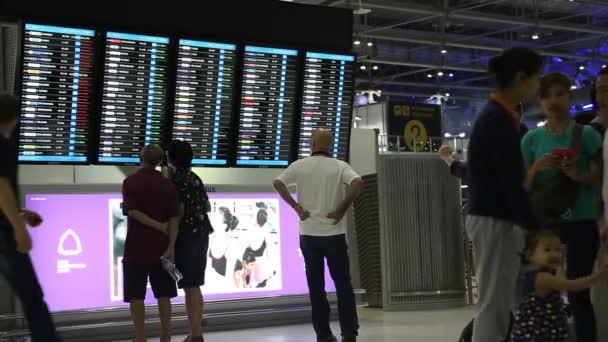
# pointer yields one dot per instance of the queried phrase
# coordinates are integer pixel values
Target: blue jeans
(18, 270)
(333, 248)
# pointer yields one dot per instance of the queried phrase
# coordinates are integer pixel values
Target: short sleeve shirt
(193, 196)
(154, 195)
(321, 186)
(540, 141)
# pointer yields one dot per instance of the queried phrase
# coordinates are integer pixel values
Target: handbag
(552, 203)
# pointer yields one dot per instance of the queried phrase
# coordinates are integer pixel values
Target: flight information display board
(203, 99)
(327, 101)
(56, 94)
(134, 95)
(267, 107)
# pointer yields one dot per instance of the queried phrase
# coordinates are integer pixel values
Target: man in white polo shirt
(321, 183)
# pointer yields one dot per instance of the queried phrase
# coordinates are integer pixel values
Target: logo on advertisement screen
(69, 246)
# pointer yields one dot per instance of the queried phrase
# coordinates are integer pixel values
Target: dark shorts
(135, 280)
(191, 258)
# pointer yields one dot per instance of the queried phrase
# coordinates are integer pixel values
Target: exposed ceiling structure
(426, 47)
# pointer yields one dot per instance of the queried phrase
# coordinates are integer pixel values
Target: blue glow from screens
(588, 106)
(208, 162)
(57, 29)
(346, 58)
(262, 162)
(259, 49)
(52, 159)
(138, 37)
(118, 160)
(208, 45)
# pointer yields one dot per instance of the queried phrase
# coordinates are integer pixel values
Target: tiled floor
(376, 326)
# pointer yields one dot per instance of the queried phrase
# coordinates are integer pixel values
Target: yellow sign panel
(401, 110)
(415, 135)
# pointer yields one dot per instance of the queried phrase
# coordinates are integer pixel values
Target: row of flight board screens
(58, 98)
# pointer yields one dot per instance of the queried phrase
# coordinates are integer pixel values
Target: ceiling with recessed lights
(425, 47)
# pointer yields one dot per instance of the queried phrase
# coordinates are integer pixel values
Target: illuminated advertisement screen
(203, 99)
(267, 107)
(79, 248)
(327, 101)
(134, 96)
(56, 94)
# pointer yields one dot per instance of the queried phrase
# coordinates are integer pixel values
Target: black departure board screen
(134, 96)
(56, 94)
(267, 107)
(203, 99)
(327, 101)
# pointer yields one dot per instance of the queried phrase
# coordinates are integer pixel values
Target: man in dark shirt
(151, 204)
(193, 237)
(15, 241)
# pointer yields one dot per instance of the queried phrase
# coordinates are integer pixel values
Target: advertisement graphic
(254, 251)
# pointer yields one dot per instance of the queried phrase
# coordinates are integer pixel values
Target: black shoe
(327, 339)
(352, 338)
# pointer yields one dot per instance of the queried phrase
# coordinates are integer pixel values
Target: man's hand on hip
(32, 218)
(303, 213)
(337, 216)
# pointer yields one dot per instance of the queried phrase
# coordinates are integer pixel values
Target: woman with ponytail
(499, 209)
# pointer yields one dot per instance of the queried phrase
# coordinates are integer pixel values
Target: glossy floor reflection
(376, 326)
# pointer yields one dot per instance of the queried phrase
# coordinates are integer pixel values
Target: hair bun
(495, 64)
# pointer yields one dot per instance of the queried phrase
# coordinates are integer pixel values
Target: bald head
(321, 140)
(152, 155)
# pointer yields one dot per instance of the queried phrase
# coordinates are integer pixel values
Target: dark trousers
(582, 243)
(335, 250)
(18, 270)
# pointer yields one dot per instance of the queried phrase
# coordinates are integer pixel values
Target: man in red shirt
(151, 203)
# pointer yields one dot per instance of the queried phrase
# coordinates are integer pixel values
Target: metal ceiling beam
(422, 65)
(410, 94)
(426, 18)
(423, 85)
(438, 42)
(411, 8)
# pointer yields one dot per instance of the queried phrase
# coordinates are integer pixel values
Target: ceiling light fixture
(447, 94)
(535, 36)
(444, 51)
(573, 87)
(363, 67)
(357, 42)
(451, 75)
(370, 44)
(361, 10)
(429, 76)
(604, 66)
(440, 73)
(581, 68)
(375, 67)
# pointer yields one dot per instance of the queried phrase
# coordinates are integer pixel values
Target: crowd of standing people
(535, 205)
(531, 194)
(168, 229)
